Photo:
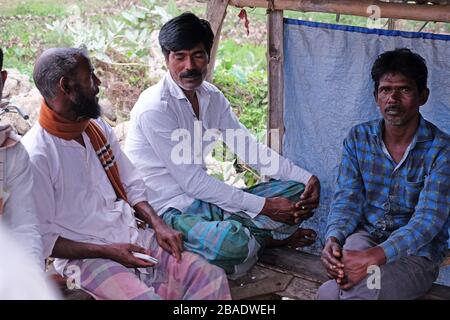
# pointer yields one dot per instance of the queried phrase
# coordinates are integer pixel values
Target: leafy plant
(241, 75)
(126, 37)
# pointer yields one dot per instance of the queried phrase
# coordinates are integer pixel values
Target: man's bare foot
(300, 238)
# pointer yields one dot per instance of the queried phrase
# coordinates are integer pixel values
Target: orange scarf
(68, 130)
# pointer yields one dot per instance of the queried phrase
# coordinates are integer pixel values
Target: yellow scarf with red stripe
(58, 126)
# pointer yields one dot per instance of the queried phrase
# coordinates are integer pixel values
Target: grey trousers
(405, 279)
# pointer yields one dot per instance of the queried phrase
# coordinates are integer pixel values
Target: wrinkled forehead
(396, 78)
(200, 47)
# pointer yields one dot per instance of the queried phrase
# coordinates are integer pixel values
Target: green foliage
(241, 74)
(38, 8)
(328, 18)
(126, 36)
(21, 42)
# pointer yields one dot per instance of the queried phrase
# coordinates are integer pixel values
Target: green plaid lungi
(232, 240)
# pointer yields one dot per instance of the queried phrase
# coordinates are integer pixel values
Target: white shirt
(19, 214)
(76, 200)
(20, 280)
(162, 110)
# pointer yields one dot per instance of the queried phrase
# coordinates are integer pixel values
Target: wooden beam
(275, 79)
(216, 11)
(437, 13)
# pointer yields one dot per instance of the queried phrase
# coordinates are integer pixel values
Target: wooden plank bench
(291, 274)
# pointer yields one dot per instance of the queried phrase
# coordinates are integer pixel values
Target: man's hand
(331, 258)
(122, 253)
(284, 210)
(356, 264)
(309, 200)
(280, 209)
(169, 239)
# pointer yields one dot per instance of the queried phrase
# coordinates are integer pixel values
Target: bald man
(90, 196)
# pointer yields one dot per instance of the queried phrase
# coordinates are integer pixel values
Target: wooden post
(216, 11)
(438, 13)
(275, 79)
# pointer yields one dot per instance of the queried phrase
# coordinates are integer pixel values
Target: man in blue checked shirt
(388, 224)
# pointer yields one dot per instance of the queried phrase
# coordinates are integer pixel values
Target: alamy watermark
(192, 149)
(374, 19)
(374, 279)
(73, 275)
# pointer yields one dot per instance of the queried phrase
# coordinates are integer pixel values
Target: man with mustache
(89, 196)
(226, 225)
(390, 212)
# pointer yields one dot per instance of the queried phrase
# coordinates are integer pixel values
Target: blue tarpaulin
(328, 89)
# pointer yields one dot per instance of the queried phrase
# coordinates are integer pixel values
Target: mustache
(191, 74)
(394, 108)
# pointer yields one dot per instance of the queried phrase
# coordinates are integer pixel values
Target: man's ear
(4, 75)
(64, 85)
(424, 96)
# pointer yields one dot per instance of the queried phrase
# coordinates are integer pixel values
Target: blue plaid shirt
(404, 206)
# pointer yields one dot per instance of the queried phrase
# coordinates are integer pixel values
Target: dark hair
(1, 59)
(185, 32)
(402, 61)
(54, 64)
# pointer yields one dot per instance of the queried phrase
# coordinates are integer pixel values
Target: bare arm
(119, 252)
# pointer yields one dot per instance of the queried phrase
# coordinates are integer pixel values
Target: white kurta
(75, 197)
(20, 280)
(161, 111)
(20, 215)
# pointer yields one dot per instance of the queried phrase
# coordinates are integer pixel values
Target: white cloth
(163, 109)
(20, 280)
(19, 214)
(76, 198)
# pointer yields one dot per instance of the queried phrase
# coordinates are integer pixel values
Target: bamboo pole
(216, 11)
(362, 8)
(276, 79)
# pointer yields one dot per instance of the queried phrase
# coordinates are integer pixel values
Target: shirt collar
(423, 132)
